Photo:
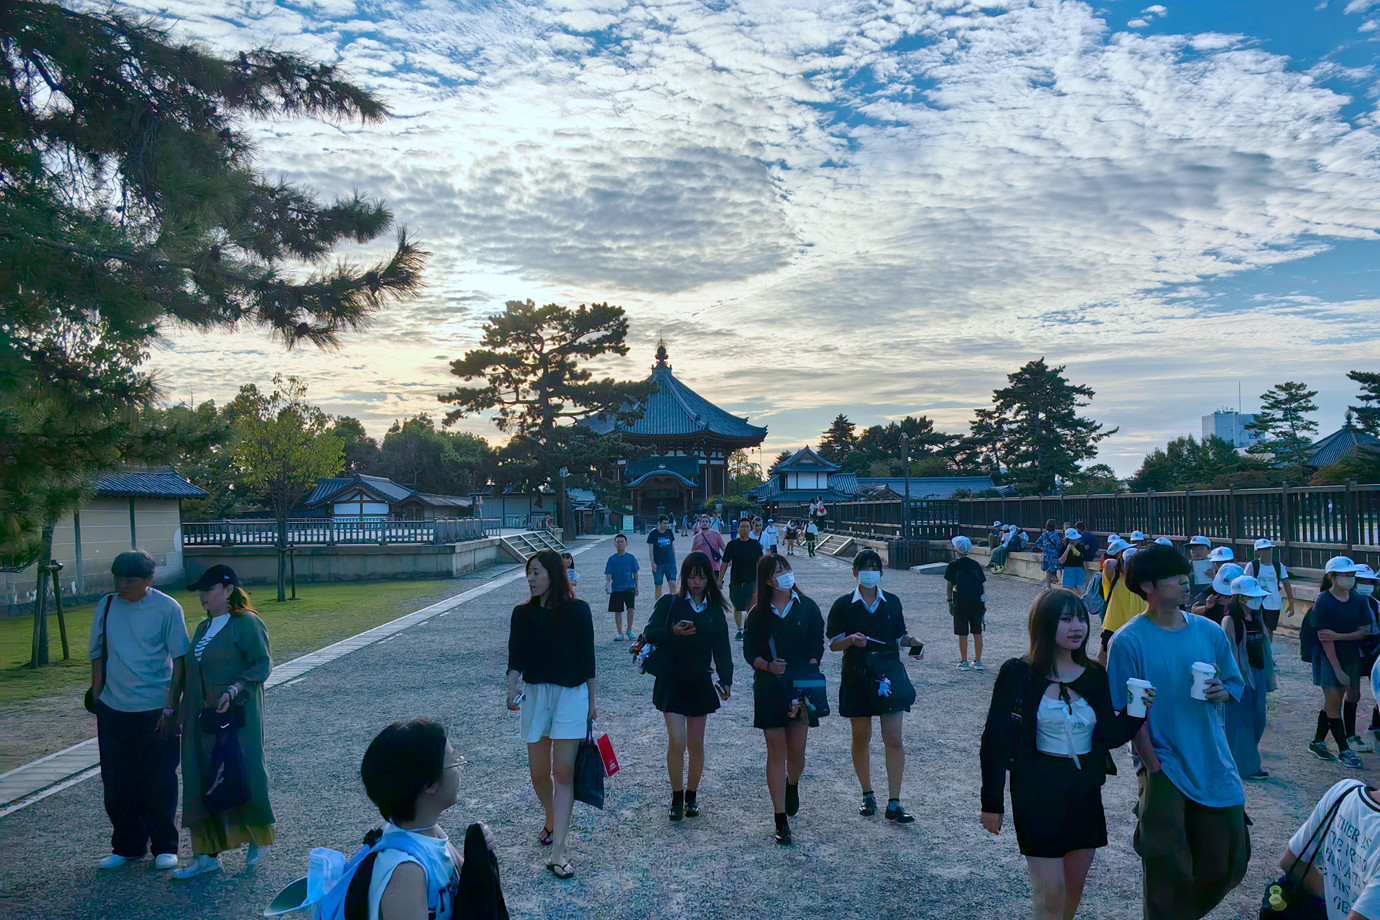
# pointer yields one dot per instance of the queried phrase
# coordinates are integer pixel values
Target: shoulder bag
(89, 700)
(589, 771)
(1286, 898)
(224, 783)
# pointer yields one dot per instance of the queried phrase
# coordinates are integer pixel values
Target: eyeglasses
(460, 761)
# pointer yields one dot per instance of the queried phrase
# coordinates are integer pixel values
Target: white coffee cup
(1135, 697)
(1202, 673)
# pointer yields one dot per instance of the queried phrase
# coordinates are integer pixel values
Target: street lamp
(905, 471)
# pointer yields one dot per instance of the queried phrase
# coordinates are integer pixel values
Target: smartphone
(517, 700)
(917, 651)
(684, 623)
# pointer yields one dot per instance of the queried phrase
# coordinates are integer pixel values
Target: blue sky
(844, 206)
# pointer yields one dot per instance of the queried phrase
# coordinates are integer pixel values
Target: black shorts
(740, 593)
(621, 600)
(1271, 618)
(968, 619)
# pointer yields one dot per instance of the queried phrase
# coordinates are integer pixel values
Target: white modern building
(1230, 427)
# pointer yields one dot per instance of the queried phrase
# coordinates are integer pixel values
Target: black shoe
(739, 637)
(792, 798)
(869, 805)
(894, 812)
(677, 811)
(783, 835)
(692, 809)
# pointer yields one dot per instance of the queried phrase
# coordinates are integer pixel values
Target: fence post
(1287, 523)
(1352, 530)
(1190, 518)
(1150, 512)
(1118, 512)
(1233, 515)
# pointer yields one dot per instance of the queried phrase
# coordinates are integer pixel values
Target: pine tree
(838, 440)
(781, 458)
(1042, 437)
(1286, 432)
(1367, 415)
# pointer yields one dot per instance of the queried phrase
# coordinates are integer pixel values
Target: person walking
(792, 534)
(1343, 621)
(570, 573)
(964, 580)
(226, 670)
(1366, 582)
(1051, 546)
(1250, 641)
(1072, 574)
(811, 535)
(709, 541)
(1052, 726)
(137, 648)
(1201, 579)
(770, 537)
(1191, 832)
(1274, 578)
(551, 649)
(740, 565)
(661, 552)
(1120, 603)
(1214, 603)
(869, 628)
(620, 584)
(784, 642)
(690, 631)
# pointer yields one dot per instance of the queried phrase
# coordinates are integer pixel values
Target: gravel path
(631, 862)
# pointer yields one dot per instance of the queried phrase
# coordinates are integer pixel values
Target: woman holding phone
(784, 642)
(551, 648)
(690, 632)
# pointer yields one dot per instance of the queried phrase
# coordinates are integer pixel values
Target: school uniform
(795, 635)
(861, 691)
(687, 688)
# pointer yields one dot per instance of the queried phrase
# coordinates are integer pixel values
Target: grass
(321, 615)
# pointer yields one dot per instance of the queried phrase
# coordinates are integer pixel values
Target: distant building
(1341, 444)
(805, 475)
(1230, 427)
(379, 498)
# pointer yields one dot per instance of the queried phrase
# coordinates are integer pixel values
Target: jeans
(139, 771)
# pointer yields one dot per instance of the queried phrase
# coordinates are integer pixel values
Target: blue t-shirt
(624, 571)
(1188, 736)
(662, 544)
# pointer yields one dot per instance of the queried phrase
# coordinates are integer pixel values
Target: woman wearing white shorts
(551, 648)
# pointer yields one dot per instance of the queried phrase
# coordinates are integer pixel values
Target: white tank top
(1064, 729)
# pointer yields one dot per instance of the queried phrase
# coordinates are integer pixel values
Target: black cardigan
(690, 655)
(799, 635)
(1112, 731)
(552, 646)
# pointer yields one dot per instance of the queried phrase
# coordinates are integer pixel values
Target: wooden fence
(336, 531)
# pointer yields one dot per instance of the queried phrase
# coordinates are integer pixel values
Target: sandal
(560, 870)
(545, 838)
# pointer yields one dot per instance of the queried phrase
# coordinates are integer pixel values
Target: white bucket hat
(1071, 534)
(1247, 586)
(1200, 540)
(1117, 546)
(1222, 581)
(1137, 537)
(1164, 541)
(996, 523)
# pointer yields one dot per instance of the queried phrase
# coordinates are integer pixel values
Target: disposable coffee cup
(1135, 697)
(1202, 673)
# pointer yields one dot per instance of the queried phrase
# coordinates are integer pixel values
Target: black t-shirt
(663, 547)
(1330, 613)
(966, 575)
(742, 555)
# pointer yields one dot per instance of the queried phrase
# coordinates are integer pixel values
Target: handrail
(336, 531)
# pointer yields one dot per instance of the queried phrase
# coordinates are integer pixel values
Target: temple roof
(147, 482)
(686, 469)
(805, 460)
(675, 411)
(1344, 442)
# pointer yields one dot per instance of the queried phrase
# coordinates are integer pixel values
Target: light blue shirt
(1187, 734)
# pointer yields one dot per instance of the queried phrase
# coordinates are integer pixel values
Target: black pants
(139, 771)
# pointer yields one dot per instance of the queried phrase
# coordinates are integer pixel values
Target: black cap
(215, 575)
(134, 564)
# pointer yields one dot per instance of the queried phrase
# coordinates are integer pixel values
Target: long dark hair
(551, 560)
(1049, 608)
(766, 578)
(699, 563)
(1236, 609)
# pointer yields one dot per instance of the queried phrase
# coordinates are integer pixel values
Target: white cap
(1113, 537)
(1130, 551)
(1117, 546)
(1227, 574)
(1262, 543)
(1164, 541)
(1137, 537)
(962, 544)
(1365, 571)
(1199, 541)
(1221, 554)
(1011, 528)
(1071, 534)
(1340, 565)
(1247, 586)
(996, 523)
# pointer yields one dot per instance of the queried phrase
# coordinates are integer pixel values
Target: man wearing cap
(1273, 577)
(994, 535)
(138, 640)
(967, 601)
(1201, 579)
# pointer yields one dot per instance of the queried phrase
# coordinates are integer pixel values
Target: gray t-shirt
(1187, 734)
(144, 639)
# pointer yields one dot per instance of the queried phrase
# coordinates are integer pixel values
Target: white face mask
(1365, 590)
(1345, 581)
(869, 578)
(1253, 603)
(785, 581)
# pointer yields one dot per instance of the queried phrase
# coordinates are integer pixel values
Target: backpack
(1279, 572)
(1092, 598)
(1308, 637)
(339, 888)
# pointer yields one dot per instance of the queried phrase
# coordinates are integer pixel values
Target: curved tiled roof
(675, 410)
(154, 482)
(1342, 443)
(686, 469)
(805, 459)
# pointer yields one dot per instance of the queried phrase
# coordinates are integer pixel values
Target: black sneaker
(677, 811)
(869, 805)
(894, 812)
(783, 835)
(792, 798)
(1320, 750)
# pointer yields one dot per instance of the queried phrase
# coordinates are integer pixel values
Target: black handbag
(223, 782)
(89, 700)
(1293, 900)
(657, 660)
(810, 688)
(589, 771)
(1308, 637)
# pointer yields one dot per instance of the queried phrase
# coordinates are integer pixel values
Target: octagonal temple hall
(692, 439)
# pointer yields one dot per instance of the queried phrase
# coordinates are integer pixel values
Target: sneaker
(1350, 758)
(254, 855)
(977, 666)
(894, 812)
(792, 798)
(165, 861)
(199, 865)
(739, 637)
(115, 861)
(617, 637)
(1320, 749)
(1259, 776)
(869, 805)
(631, 637)
(964, 666)
(1359, 746)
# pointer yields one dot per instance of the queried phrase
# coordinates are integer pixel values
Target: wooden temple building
(692, 439)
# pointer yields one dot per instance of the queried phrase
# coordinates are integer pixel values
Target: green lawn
(321, 615)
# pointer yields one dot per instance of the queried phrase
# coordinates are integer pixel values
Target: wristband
(168, 712)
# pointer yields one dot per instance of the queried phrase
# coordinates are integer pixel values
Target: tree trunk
(39, 654)
(282, 556)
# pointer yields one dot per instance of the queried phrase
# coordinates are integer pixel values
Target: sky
(877, 208)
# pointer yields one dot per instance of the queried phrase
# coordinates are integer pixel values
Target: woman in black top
(1343, 620)
(784, 641)
(689, 630)
(551, 647)
(1052, 725)
(867, 626)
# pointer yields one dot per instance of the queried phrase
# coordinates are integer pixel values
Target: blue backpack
(338, 889)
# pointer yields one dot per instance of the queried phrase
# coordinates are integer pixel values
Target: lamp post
(905, 471)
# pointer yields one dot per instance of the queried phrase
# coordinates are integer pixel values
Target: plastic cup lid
(1205, 667)
(1138, 682)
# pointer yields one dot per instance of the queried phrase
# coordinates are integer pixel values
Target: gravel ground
(630, 861)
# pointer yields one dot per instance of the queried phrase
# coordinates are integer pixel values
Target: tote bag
(589, 771)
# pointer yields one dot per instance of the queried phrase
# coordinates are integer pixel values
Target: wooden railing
(336, 532)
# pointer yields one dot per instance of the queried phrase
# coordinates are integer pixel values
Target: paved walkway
(631, 862)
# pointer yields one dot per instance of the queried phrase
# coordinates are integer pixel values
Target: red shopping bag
(606, 752)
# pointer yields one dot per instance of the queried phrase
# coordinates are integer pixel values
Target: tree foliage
(838, 439)
(129, 203)
(1368, 413)
(416, 454)
(1187, 463)
(361, 452)
(743, 475)
(1286, 432)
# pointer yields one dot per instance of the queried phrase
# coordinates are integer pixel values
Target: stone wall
(258, 565)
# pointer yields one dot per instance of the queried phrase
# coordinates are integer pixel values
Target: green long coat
(239, 652)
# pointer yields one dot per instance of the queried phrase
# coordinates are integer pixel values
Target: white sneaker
(114, 861)
(1359, 746)
(963, 666)
(977, 666)
(254, 855)
(199, 865)
(617, 637)
(165, 861)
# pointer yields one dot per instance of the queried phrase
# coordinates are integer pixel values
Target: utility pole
(905, 471)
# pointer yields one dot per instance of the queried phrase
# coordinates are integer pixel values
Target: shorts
(968, 619)
(1271, 618)
(622, 600)
(740, 593)
(666, 572)
(1074, 576)
(555, 712)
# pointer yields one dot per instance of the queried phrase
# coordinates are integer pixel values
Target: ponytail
(240, 603)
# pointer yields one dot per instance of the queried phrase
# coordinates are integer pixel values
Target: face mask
(1365, 590)
(869, 579)
(1253, 603)
(1345, 581)
(785, 581)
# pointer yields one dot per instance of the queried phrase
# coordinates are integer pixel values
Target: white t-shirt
(1350, 861)
(1268, 582)
(445, 863)
(769, 537)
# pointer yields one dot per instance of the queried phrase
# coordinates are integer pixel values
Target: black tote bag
(589, 771)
